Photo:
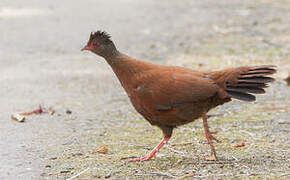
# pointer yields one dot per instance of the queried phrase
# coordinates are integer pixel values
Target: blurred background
(41, 63)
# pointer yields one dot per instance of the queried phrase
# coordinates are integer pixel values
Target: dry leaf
(51, 111)
(210, 158)
(17, 117)
(102, 150)
(240, 144)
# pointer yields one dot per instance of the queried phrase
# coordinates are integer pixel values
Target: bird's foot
(210, 158)
(211, 137)
(144, 158)
(152, 153)
(214, 154)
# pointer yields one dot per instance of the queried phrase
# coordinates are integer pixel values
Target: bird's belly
(180, 115)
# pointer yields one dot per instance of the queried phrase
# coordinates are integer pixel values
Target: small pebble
(17, 117)
(43, 174)
(108, 175)
(68, 111)
(232, 141)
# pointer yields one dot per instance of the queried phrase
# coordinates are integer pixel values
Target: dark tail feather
(256, 79)
(241, 96)
(248, 89)
(250, 80)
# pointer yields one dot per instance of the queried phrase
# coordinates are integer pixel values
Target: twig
(235, 158)
(177, 144)
(39, 110)
(283, 122)
(156, 173)
(246, 166)
(286, 174)
(171, 149)
(251, 134)
(185, 176)
(78, 174)
(129, 157)
(224, 175)
(162, 174)
(214, 115)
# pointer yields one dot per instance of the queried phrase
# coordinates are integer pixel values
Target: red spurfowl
(170, 96)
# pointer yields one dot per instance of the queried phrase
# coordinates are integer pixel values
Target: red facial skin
(91, 46)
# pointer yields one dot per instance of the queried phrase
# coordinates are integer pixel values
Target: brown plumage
(170, 96)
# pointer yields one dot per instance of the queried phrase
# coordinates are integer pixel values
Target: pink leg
(153, 152)
(208, 135)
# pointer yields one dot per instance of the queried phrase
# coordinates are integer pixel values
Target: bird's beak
(88, 48)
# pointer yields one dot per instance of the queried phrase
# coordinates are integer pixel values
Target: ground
(41, 63)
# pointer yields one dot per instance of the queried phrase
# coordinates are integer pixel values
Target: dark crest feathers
(100, 35)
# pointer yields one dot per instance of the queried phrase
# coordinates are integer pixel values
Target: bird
(171, 96)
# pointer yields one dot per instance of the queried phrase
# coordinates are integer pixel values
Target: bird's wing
(167, 89)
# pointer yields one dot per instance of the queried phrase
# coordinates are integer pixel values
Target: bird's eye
(96, 44)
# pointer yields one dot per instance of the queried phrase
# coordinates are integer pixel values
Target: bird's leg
(208, 132)
(208, 135)
(153, 152)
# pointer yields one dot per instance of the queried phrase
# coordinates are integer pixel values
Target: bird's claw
(144, 158)
(211, 137)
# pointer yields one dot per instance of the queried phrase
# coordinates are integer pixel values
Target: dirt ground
(41, 63)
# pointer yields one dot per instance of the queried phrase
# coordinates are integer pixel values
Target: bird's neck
(123, 64)
(127, 68)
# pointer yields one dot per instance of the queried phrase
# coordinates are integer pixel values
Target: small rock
(200, 64)
(287, 80)
(67, 167)
(96, 176)
(272, 140)
(153, 46)
(48, 166)
(43, 174)
(108, 175)
(255, 23)
(179, 161)
(232, 141)
(160, 155)
(205, 171)
(68, 111)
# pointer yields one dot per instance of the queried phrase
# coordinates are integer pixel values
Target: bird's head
(100, 44)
